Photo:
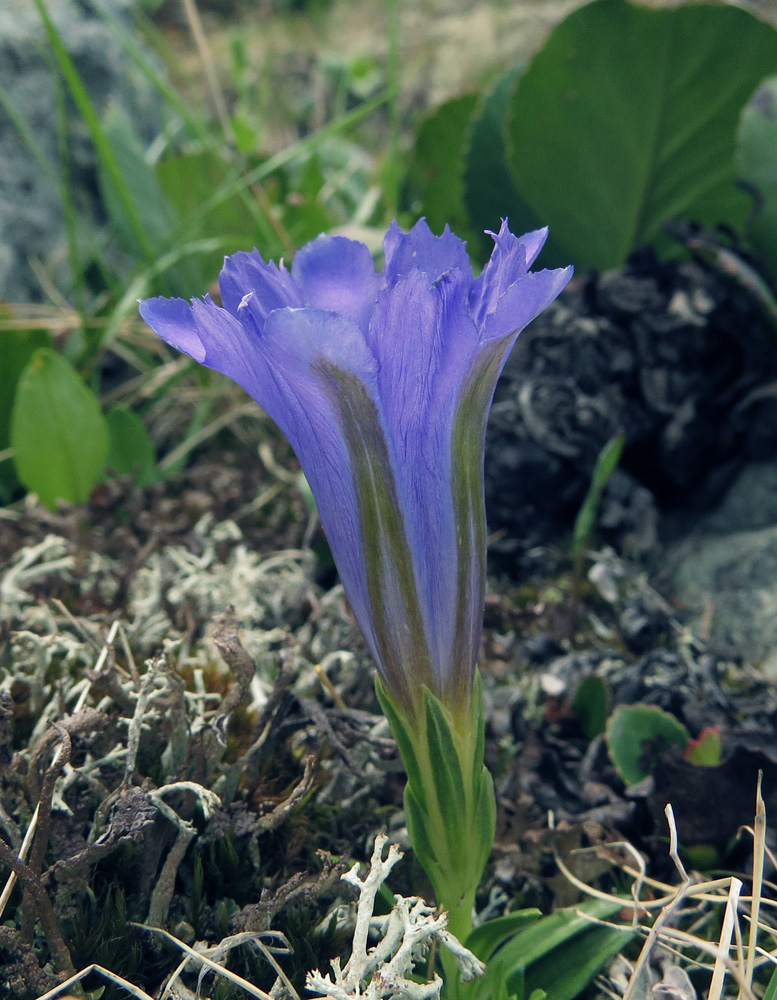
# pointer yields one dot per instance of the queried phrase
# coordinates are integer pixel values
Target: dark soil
(679, 356)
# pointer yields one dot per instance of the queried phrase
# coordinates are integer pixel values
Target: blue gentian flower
(382, 382)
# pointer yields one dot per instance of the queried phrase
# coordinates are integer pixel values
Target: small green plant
(637, 736)
(591, 705)
(585, 522)
(62, 443)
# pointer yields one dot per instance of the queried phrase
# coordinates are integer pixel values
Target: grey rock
(32, 224)
(750, 503)
(725, 572)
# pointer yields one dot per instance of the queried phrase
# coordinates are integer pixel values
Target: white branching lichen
(381, 973)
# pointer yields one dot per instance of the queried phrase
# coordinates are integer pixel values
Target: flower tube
(382, 383)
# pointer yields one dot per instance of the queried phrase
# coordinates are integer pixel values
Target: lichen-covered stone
(32, 222)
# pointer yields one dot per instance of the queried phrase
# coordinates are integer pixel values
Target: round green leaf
(757, 167)
(57, 430)
(637, 735)
(627, 118)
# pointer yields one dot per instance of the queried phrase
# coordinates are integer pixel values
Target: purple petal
(330, 410)
(524, 300)
(272, 286)
(297, 341)
(433, 255)
(172, 320)
(337, 274)
(425, 342)
(510, 260)
(213, 337)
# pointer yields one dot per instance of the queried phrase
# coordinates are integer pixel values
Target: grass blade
(86, 109)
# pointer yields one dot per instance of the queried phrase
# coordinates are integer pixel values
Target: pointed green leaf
(483, 821)
(446, 773)
(418, 828)
(627, 118)
(151, 208)
(59, 434)
(486, 938)
(479, 728)
(563, 973)
(591, 705)
(106, 160)
(606, 463)
(401, 733)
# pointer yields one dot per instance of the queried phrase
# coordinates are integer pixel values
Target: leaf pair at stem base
(449, 796)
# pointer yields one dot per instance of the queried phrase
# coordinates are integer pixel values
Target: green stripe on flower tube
(397, 624)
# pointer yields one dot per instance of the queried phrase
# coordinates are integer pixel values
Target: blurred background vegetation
(144, 141)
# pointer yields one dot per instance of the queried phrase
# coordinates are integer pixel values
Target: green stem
(450, 975)
(449, 799)
(460, 917)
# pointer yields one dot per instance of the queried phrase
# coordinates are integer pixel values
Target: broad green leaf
(131, 452)
(489, 192)
(57, 430)
(757, 167)
(637, 735)
(16, 349)
(627, 118)
(556, 930)
(556, 956)
(437, 163)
